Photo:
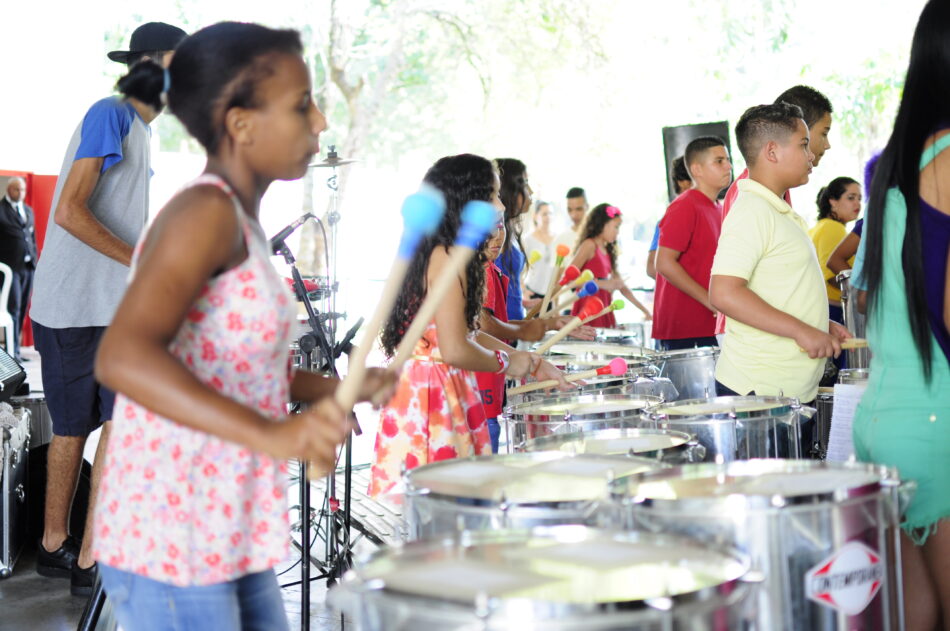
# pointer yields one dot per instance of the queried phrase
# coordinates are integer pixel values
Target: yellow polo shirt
(827, 235)
(766, 243)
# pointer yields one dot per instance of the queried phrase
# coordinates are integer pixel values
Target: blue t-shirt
(511, 264)
(655, 244)
(858, 227)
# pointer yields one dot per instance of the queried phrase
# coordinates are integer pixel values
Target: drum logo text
(848, 580)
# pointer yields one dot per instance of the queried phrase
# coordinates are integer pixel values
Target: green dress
(902, 420)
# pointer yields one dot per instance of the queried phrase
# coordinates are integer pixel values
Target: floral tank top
(181, 506)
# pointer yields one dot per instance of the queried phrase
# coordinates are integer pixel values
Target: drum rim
(787, 406)
(687, 353)
(621, 432)
(888, 480)
(471, 501)
(717, 595)
(517, 414)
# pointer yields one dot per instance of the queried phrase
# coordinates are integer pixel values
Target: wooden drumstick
(617, 366)
(616, 305)
(592, 307)
(589, 289)
(422, 214)
(478, 220)
(562, 251)
(849, 344)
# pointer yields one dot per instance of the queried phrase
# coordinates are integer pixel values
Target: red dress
(600, 266)
(491, 385)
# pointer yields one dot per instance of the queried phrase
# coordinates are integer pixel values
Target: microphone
(277, 241)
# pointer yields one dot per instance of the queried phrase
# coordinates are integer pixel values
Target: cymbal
(331, 162)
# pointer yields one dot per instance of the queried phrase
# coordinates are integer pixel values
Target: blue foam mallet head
(588, 289)
(421, 214)
(478, 220)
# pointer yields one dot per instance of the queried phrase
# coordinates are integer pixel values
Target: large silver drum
(523, 490)
(642, 378)
(853, 376)
(823, 535)
(692, 371)
(579, 349)
(568, 578)
(825, 404)
(631, 336)
(736, 428)
(667, 446)
(854, 320)
(571, 414)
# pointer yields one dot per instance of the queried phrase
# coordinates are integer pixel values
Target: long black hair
(461, 179)
(922, 110)
(593, 225)
(514, 181)
(835, 189)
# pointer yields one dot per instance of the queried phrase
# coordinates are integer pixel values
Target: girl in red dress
(597, 251)
(436, 413)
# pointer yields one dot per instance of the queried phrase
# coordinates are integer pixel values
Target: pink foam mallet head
(570, 275)
(616, 367)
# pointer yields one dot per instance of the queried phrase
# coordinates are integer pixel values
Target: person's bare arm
(378, 386)
(72, 212)
(585, 252)
(651, 264)
(533, 363)
(732, 296)
(195, 238)
(668, 264)
(838, 261)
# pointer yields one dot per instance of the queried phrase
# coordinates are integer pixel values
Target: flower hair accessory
(612, 211)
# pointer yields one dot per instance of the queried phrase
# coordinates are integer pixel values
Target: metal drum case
(568, 415)
(551, 579)
(14, 478)
(511, 491)
(824, 536)
(667, 446)
(736, 428)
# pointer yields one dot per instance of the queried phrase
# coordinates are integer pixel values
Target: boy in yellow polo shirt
(765, 277)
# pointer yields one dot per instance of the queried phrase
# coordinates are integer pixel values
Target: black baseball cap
(150, 37)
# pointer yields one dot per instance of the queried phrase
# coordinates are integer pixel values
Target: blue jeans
(249, 603)
(494, 431)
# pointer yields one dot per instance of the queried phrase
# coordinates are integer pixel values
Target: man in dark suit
(18, 250)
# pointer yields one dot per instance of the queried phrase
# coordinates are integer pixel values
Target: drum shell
(431, 514)
(633, 335)
(786, 539)
(688, 452)
(372, 607)
(825, 403)
(853, 376)
(692, 371)
(521, 424)
(774, 433)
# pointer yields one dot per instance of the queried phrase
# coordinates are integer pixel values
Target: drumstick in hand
(616, 305)
(589, 289)
(422, 214)
(617, 366)
(581, 278)
(478, 220)
(562, 251)
(849, 344)
(591, 308)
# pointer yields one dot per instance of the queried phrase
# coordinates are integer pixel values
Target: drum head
(582, 407)
(595, 348)
(611, 442)
(524, 478)
(568, 565)
(720, 407)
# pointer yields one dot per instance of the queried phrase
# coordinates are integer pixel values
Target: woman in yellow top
(838, 204)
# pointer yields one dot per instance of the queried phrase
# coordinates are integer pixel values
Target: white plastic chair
(6, 320)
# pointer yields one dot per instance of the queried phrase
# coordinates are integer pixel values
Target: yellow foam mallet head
(534, 257)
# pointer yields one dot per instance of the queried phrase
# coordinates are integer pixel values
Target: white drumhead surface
(698, 409)
(594, 407)
(785, 484)
(594, 348)
(635, 444)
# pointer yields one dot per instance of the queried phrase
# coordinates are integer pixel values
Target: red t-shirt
(727, 203)
(690, 226)
(491, 386)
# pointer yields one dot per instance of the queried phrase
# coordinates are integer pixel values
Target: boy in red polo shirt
(689, 232)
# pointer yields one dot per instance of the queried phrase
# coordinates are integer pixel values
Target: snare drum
(556, 579)
(692, 370)
(824, 535)
(632, 336)
(571, 414)
(667, 446)
(523, 490)
(736, 428)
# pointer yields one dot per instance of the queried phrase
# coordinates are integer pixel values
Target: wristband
(503, 362)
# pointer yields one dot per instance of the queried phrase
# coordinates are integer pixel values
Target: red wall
(39, 196)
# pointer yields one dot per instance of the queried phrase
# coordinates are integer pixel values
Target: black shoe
(59, 563)
(82, 581)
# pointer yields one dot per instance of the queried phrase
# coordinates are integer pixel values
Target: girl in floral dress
(436, 413)
(191, 515)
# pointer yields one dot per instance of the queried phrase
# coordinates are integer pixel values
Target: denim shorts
(77, 403)
(249, 603)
